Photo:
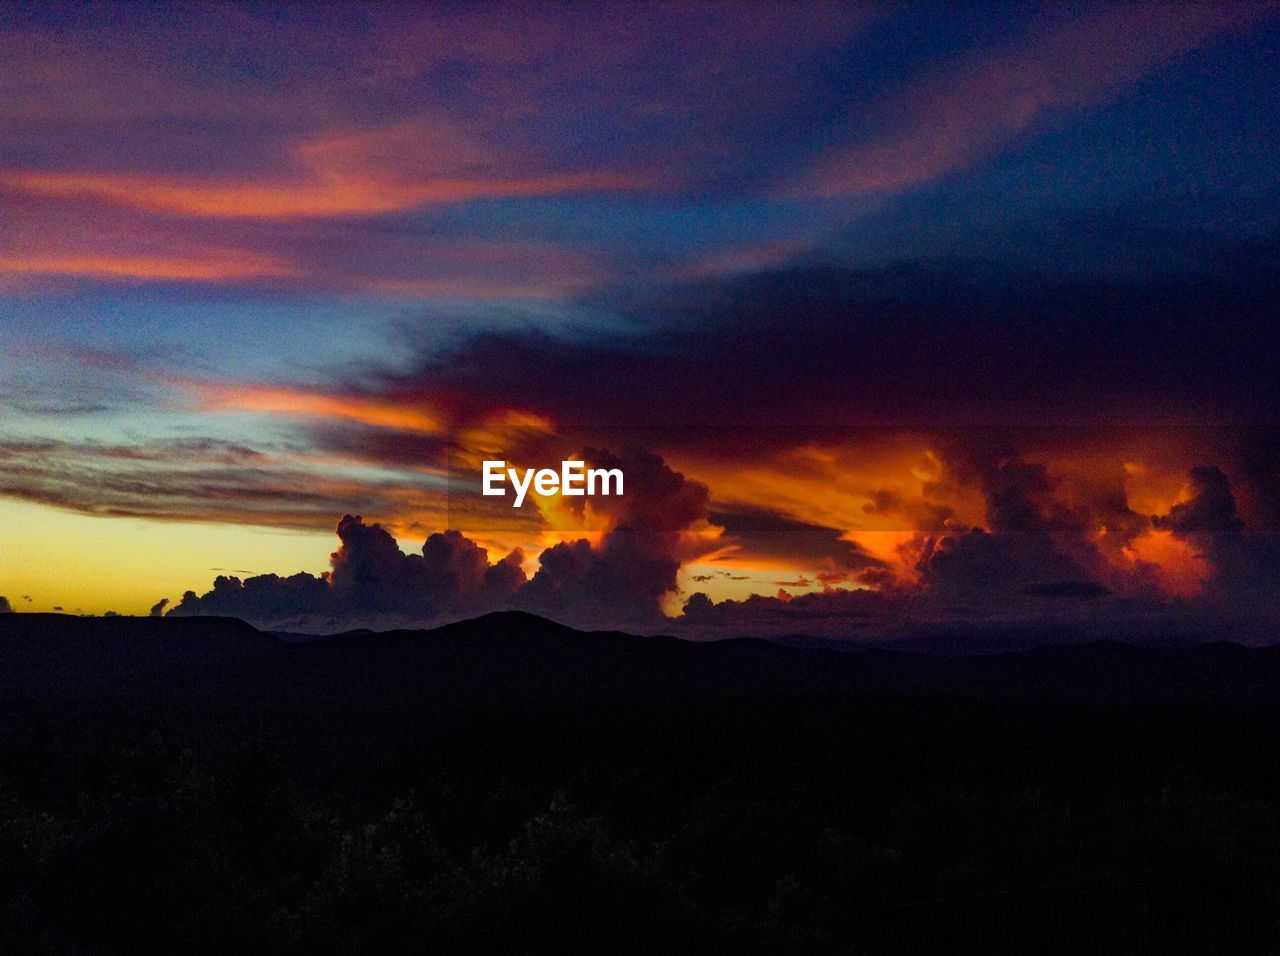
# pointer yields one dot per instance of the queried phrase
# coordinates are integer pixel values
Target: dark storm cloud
(5, 607)
(1245, 562)
(453, 574)
(267, 600)
(985, 361)
(1037, 572)
(1032, 543)
(1035, 566)
(762, 533)
(1258, 451)
(769, 359)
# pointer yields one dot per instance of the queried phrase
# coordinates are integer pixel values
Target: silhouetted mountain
(519, 656)
(510, 781)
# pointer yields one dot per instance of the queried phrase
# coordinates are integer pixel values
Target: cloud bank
(620, 579)
(1036, 560)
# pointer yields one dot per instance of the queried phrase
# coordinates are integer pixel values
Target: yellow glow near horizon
(92, 564)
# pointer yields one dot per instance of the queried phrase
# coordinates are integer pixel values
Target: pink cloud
(364, 172)
(54, 240)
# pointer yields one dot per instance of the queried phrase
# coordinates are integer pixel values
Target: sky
(894, 316)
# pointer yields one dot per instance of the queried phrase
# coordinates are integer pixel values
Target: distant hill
(519, 657)
(509, 781)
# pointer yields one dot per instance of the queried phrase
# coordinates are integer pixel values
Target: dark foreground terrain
(510, 785)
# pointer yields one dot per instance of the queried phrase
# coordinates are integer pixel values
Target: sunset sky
(890, 314)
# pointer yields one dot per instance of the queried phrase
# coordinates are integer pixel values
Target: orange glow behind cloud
(843, 487)
(329, 195)
(211, 266)
(1181, 570)
(337, 174)
(292, 403)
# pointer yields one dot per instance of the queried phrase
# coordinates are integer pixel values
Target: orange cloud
(356, 174)
(120, 248)
(211, 266)
(293, 402)
(329, 195)
(1180, 570)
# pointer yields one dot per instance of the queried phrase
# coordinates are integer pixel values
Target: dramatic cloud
(621, 579)
(1037, 559)
(1245, 563)
(453, 575)
(896, 465)
(1033, 542)
(770, 359)
(371, 581)
(1042, 562)
(287, 265)
(634, 567)
(793, 544)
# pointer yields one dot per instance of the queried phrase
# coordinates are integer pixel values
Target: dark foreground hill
(509, 783)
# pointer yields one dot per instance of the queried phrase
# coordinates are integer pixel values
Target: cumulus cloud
(1037, 557)
(157, 609)
(621, 579)
(735, 372)
(1031, 540)
(625, 577)
(5, 607)
(370, 580)
(1245, 563)
(1040, 566)
(1038, 550)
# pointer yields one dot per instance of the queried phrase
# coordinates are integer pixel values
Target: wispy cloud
(205, 479)
(353, 174)
(82, 238)
(303, 403)
(978, 104)
(212, 265)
